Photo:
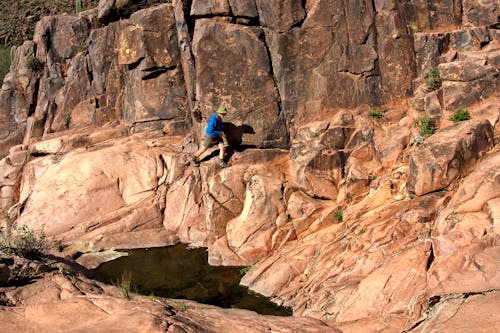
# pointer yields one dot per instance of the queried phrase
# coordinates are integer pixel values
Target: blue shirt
(214, 126)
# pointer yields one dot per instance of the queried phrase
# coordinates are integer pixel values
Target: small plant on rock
(432, 79)
(78, 6)
(67, 119)
(426, 126)
(460, 115)
(22, 241)
(339, 216)
(124, 284)
(34, 63)
(377, 114)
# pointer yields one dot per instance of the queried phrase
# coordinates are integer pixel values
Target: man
(213, 135)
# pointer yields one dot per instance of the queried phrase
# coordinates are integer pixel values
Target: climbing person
(213, 135)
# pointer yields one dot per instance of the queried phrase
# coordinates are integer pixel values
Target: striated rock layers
(340, 205)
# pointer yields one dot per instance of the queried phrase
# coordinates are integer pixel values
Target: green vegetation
(34, 63)
(460, 115)
(339, 215)
(124, 284)
(377, 114)
(78, 6)
(22, 241)
(5, 61)
(245, 270)
(67, 119)
(426, 126)
(432, 79)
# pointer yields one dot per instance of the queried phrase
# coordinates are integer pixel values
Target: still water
(180, 272)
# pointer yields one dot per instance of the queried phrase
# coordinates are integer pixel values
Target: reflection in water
(178, 272)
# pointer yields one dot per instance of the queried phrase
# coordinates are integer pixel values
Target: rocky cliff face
(347, 212)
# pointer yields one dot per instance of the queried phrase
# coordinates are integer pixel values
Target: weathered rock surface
(467, 233)
(361, 223)
(241, 79)
(69, 303)
(448, 155)
(101, 194)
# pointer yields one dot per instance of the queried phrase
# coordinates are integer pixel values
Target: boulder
(465, 239)
(212, 7)
(465, 313)
(249, 234)
(240, 80)
(465, 83)
(154, 88)
(243, 8)
(449, 154)
(94, 194)
(280, 15)
(480, 13)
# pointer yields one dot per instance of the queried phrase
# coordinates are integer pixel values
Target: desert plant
(67, 119)
(377, 114)
(34, 63)
(245, 270)
(78, 6)
(426, 126)
(432, 79)
(339, 216)
(460, 115)
(22, 241)
(124, 284)
(13, 50)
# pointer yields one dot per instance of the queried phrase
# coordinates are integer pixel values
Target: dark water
(178, 272)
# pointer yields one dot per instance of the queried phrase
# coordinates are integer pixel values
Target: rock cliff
(350, 192)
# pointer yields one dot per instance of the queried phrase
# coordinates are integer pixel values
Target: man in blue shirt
(213, 135)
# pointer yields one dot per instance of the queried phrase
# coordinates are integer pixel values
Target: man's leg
(222, 150)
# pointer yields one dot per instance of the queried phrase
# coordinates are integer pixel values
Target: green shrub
(460, 115)
(377, 114)
(124, 284)
(5, 61)
(432, 79)
(426, 126)
(22, 241)
(339, 215)
(67, 119)
(78, 6)
(34, 63)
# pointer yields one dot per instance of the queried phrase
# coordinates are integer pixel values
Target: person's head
(221, 111)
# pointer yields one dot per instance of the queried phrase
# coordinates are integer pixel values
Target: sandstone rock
(16, 98)
(83, 193)
(448, 155)
(280, 15)
(466, 235)
(249, 234)
(480, 13)
(154, 90)
(243, 8)
(394, 63)
(53, 303)
(240, 80)
(422, 14)
(212, 7)
(319, 273)
(465, 83)
(474, 313)
(318, 155)
(465, 71)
